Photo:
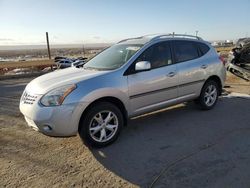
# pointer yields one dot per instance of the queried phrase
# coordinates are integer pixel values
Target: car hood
(73, 75)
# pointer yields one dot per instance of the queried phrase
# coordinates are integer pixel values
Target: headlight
(56, 96)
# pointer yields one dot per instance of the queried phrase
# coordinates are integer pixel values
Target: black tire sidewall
(202, 103)
(84, 130)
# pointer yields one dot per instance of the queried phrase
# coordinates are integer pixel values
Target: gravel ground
(180, 146)
(235, 84)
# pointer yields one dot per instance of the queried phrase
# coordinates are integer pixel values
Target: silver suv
(132, 77)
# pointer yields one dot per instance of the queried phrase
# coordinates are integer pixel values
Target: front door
(150, 90)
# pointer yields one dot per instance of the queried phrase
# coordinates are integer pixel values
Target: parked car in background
(78, 63)
(59, 58)
(130, 78)
(64, 63)
(82, 58)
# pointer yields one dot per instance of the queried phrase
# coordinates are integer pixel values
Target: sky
(24, 22)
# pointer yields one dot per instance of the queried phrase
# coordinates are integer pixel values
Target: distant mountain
(27, 47)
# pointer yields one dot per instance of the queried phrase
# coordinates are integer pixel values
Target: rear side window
(185, 51)
(203, 48)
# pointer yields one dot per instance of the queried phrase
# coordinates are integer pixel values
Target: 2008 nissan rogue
(132, 77)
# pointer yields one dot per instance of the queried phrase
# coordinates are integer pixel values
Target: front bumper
(53, 121)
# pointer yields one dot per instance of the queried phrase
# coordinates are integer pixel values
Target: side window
(185, 50)
(203, 48)
(158, 55)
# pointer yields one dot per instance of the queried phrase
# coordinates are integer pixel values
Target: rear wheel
(209, 95)
(101, 125)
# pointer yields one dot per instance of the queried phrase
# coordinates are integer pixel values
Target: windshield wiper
(89, 68)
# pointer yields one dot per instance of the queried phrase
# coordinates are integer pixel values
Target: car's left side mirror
(142, 66)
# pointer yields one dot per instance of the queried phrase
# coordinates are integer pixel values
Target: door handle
(171, 74)
(204, 66)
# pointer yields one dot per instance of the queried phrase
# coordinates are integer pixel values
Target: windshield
(113, 57)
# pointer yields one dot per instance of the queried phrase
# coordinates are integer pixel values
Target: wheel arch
(117, 102)
(217, 80)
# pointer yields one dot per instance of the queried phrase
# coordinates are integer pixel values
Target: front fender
(106, 92)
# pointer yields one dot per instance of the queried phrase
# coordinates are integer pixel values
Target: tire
(209, 95)
(101, 125)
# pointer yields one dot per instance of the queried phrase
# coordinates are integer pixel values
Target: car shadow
(151, 142)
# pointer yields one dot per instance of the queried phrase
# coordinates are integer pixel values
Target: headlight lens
(57, 96)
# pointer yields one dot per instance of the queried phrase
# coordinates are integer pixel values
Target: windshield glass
(113, 57)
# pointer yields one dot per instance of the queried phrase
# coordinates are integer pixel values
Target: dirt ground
(235, 84)
(29, 159)
(179, 147)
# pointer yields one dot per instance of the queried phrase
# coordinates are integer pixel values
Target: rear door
(149, 90)
(191, 68)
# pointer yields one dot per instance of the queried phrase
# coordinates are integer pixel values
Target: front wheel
(209, 95)
(101, 125)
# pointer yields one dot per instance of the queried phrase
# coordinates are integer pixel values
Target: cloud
(96, 37)
(55, 37)
(6, 39)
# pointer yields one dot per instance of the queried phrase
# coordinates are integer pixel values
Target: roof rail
(130, 39)
(176, 35)
(158, 36)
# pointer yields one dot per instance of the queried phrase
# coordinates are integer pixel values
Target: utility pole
(83, 50)
(196, 33)
(47, 38)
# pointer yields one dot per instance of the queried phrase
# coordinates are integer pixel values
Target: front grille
(28, 98)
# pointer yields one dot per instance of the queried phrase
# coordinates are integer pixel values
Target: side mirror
(142, 66)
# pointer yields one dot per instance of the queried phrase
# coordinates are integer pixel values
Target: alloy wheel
(103, 126)
(210, 95)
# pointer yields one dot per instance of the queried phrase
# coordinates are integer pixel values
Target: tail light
(222, 60)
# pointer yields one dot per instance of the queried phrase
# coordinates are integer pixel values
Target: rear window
(185, 51)
(203, 48)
